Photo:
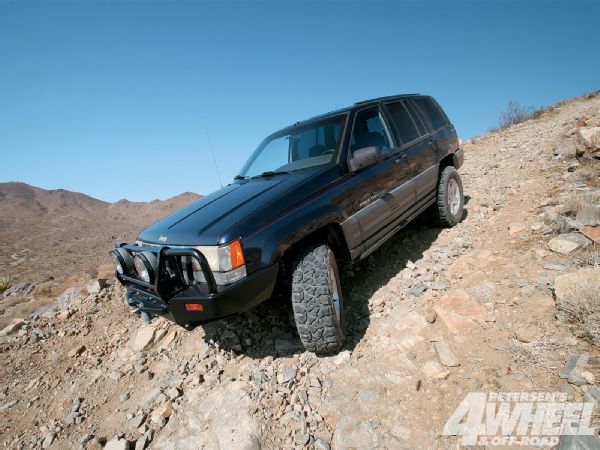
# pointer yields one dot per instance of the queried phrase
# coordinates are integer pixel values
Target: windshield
(312, 145)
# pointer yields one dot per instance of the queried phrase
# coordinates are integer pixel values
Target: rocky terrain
(506, 301)
(56, 239)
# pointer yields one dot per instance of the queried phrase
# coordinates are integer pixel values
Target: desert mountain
(44, 232)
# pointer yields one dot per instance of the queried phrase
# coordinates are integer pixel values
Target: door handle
(399, 160)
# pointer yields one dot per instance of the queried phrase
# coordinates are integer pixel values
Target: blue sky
(108, 98)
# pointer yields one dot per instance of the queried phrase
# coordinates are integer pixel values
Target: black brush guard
(154, 297)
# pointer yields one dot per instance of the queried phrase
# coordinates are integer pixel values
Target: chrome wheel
(453, 196)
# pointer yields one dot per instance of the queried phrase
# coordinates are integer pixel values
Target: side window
(404, 122)
(432, 111)
(370, 130)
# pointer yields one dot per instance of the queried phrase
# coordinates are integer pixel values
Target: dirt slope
(434, 314)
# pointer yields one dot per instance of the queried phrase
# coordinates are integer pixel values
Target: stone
(76, 351)
(322, 445)
(137, 421)
(115, 375)
(516, 228)
(143, 339)
(86, 438)
(352, 433)
(566, 149)
(117, 444)
(445, 355)
(173, 393)
(48, 440)
(20, 289)
(459, 311)
(430, 315)
(230, 341)
(219, 419)
(96, 286)
(301, 439)
(589, 136)
(589, 215)
(416, 290)
(161, 414)
(526, 334)
(588, 376)
(568, 243)
(144, 440)
(287, 374)
(342, 357)
(72, 295)
(576, 442)
(433, 369)
(592, 233)
(6, 406)
(15, 325)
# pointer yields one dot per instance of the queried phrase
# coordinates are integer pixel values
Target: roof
(360, 103)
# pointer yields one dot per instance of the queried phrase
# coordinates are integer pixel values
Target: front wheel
(450, 201)
(317, 300)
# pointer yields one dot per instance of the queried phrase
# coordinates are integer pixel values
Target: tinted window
(369, 131)
(306, 146)
(403, 121)
(431, 111)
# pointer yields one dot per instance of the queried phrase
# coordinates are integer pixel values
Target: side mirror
(365, 157)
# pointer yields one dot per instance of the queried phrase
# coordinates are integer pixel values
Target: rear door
(418, 146)
(382, 191)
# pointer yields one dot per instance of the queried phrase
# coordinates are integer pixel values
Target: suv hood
(205, 221)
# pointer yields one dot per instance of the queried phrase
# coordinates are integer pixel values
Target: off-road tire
(443, 213)
(320, 329)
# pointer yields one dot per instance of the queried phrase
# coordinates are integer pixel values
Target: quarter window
(404, 123)
(431, 111)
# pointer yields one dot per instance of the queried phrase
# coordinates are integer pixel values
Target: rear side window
(432, 111)
(404, 122)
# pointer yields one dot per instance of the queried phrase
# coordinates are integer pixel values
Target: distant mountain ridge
(40, 229)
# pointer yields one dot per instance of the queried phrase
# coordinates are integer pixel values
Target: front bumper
(172, 298)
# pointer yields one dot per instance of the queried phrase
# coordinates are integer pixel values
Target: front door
(382, 191)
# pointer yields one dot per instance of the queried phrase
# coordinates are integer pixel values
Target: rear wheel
(450, 202)
(317, 300)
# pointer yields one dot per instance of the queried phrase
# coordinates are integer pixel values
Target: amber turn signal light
(236, 254)
(194, 307)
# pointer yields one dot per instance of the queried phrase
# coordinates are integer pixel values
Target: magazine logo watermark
(519, 418)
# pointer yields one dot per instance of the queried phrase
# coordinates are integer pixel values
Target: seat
(316, 150)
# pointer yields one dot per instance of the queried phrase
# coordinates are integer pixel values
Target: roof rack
(387, 97)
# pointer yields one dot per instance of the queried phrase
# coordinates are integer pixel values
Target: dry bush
(514, 114)
(589, 256)
(540, 352)
(589, 174)
(5, 283)
(575, 203)
(579, 305)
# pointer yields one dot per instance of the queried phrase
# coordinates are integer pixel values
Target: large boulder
(220, 420)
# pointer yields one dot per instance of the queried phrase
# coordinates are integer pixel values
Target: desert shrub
(579, 304)
(5, 283)
(575, 203)
(514, 114)
(589, 174)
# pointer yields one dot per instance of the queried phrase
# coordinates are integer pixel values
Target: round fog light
(122, 259)
(146, 266)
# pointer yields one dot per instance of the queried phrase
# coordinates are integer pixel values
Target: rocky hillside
(507, 301)
(59, 235)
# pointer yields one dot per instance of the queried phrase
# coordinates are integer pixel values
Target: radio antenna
(212, 152)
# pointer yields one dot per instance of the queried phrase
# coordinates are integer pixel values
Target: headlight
(146, 265)
(226, 262)
(224, 258)
(122, 259)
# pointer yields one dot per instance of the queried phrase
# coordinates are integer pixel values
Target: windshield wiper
(240, 177)
(270, 173)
